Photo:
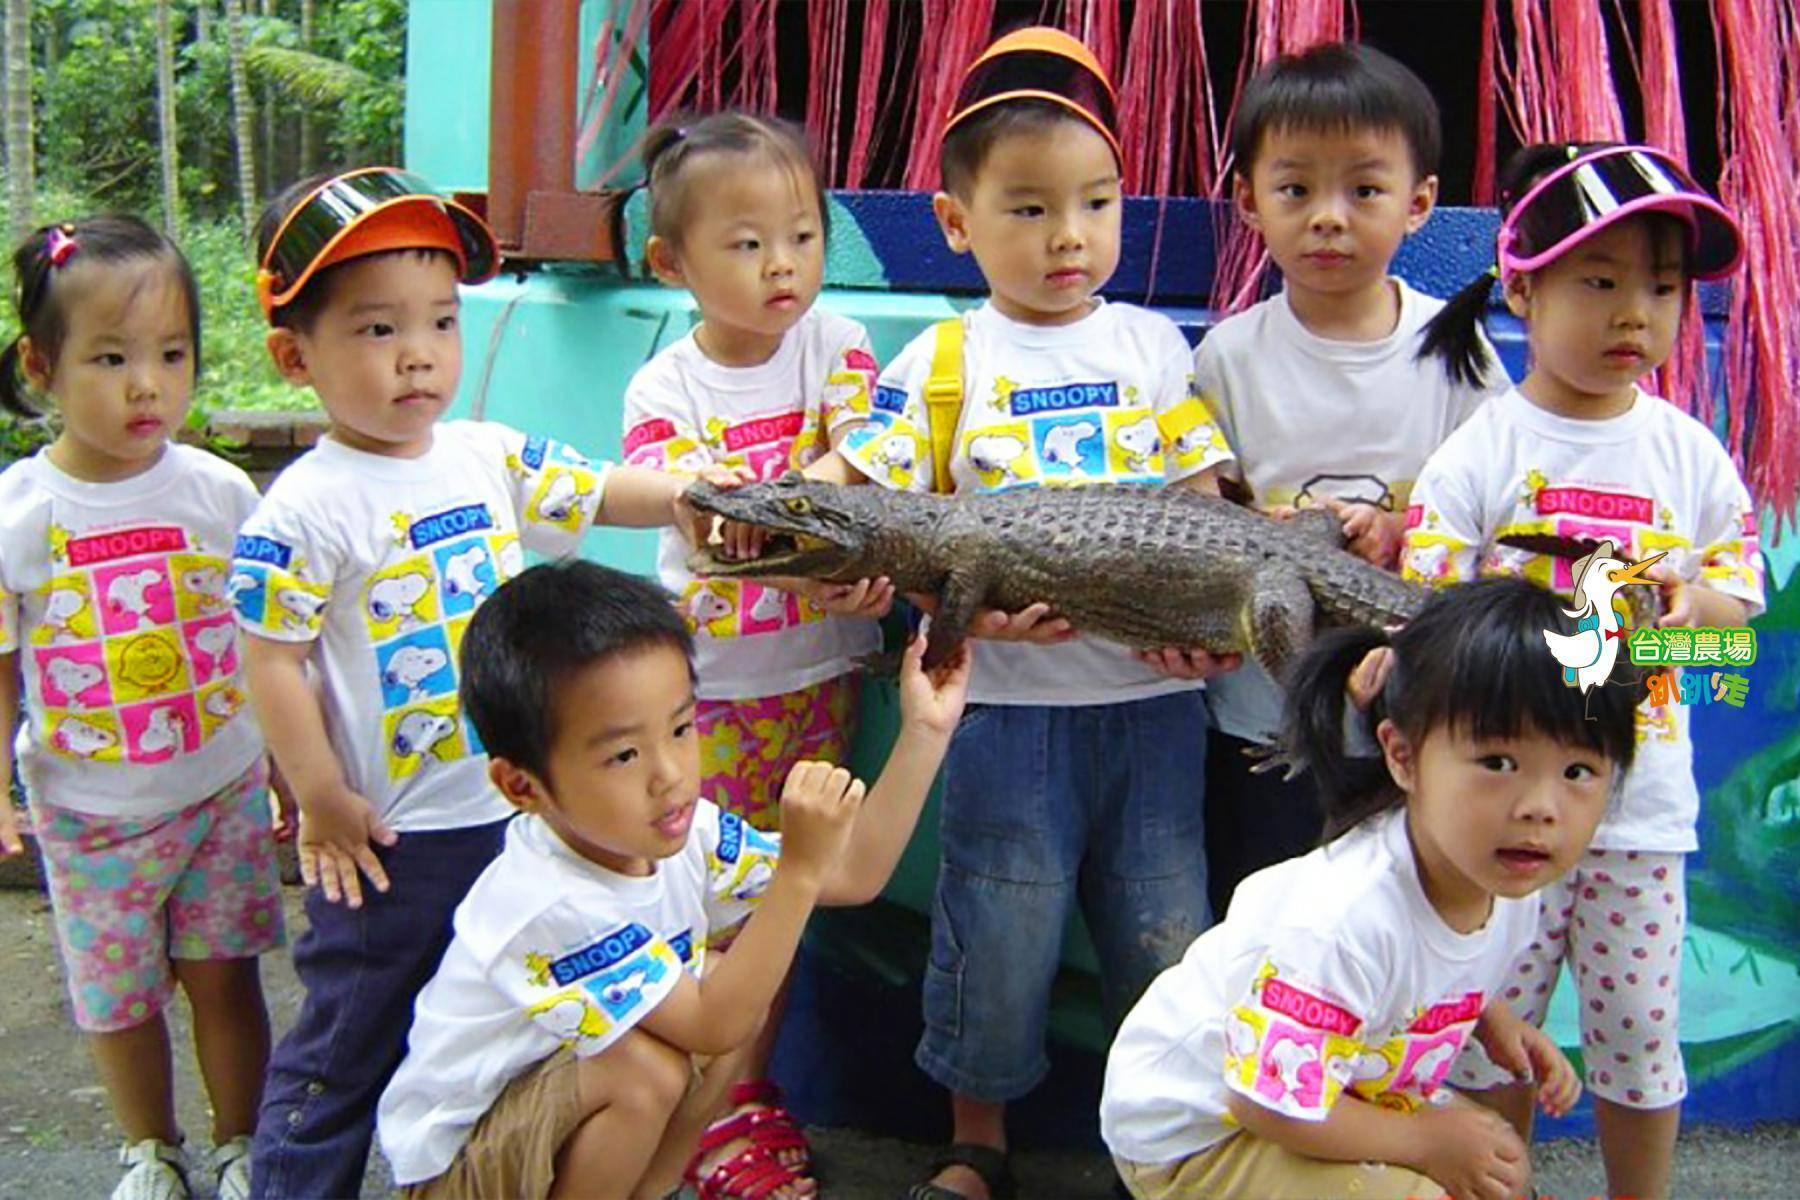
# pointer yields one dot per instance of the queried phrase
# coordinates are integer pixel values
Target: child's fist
(818, 809)
(933, 700)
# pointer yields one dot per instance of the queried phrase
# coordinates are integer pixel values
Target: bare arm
(11, 842)
(640, 498)
(818, 808)
(930, 707)
(719, 1012)
(336, 825)
(834, 468)
(1206, 482)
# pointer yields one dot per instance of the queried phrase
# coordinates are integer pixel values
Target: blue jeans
(362, 970)
(1044, 807)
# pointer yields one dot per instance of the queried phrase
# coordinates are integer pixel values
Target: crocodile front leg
(1278, 616)
(963, 591)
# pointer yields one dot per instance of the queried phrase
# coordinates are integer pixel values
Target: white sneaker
(154, 1170)
(232, 1163)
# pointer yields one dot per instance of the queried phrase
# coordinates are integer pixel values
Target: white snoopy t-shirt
(554, 950)
(683, 412)
(1650, 479)
(381, 562)
(113, 596)
(1331, 972)
(1106, 399)
(1311, 419)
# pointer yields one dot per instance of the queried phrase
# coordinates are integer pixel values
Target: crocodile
(1137, 564)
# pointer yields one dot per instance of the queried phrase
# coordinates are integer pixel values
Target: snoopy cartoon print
(569, 1017)
(396, 598)
(63, 680)
(62, 608)
(999, 458)
(896, 454)
(1063, 450)
(1291, 1072)
(409, 667)
(467, 573)
(1139, 444)
(711, 609)
(299, 607)
(128, 598)
(214, 649)
(419, 731)
(559, 500)
(206, 586)
(164, 733)
(80, 738)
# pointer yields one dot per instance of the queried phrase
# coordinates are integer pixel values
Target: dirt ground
(57, 1140)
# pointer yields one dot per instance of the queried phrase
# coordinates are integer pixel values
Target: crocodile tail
(1353, 785)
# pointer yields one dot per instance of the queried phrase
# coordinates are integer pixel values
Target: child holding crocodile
(1600, 285)
(765, 382)
(1319, 390)
(1071, 777)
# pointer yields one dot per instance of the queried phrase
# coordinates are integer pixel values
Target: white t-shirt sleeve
(9, 615)
(850, 384)
(661, 427)
(284, 567)
(1445, 522)
(1192, 438)
(555, 490)
(591, 996)
(740, 864)
(1725, 534)
(1294, 1039)
(893, 446)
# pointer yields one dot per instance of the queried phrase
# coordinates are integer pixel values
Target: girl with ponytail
(1598, 246)
(1296, 1048)
(145, 775)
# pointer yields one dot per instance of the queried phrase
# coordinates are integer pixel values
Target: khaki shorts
(1255, 1169)
(511, 1154)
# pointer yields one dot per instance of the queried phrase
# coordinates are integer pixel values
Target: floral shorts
(129, 894)
(747, 747)
(1618, 919)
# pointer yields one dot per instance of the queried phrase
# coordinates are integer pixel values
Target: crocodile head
(815, 530)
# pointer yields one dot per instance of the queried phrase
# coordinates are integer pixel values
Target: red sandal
(757, 1170)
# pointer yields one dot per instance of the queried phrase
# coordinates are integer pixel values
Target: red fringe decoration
(952, 34)
(827, 22)
(1481, 187)
(1757, 114)
(868, 80)
(1280, 27)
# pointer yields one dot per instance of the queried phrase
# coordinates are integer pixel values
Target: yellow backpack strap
(943, 399)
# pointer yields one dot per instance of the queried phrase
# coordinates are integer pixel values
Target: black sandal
(993, 1167)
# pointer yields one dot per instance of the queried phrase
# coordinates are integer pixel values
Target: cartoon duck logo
(1587, 656)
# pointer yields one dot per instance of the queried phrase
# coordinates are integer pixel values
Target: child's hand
(1370, 533)
(1189, 662)
(1370, 676)
(1472, 1153)
(287, 805)
(1516, 1045)
(1691, 604)
(336, 829)
(865, 598)
(818, 810)
(1033, 623)
(695, 526)
(11, 840)
(933, 700)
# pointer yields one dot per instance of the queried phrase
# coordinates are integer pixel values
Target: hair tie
(60, 244)
(1493, 270)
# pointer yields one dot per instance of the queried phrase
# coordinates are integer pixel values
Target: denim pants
(362, 970)
(1045, 807)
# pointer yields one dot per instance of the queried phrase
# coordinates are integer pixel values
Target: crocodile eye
(799, 506)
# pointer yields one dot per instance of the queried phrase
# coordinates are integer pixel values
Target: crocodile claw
(1266, 758)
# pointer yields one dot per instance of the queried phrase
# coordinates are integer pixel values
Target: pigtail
(1352, 788)
(1453, 336)
(12, 382)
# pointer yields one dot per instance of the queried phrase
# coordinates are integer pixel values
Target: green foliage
(94, 82)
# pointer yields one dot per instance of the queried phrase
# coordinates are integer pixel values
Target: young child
(1299, 1048)
(1073, 775)
(1596, 252)
(355, 579)
(765, 382)
(1319, 389)
(579, 1034)
(147, 782)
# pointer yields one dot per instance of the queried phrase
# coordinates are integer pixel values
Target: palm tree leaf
(312, 79)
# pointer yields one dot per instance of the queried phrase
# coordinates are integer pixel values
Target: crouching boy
(578, 1037)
